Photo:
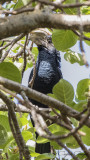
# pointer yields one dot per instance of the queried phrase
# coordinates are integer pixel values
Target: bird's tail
(42, 147)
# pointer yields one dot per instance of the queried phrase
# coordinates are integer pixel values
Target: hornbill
(48, 71)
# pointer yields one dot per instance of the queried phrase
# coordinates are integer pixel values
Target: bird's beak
(39, 36)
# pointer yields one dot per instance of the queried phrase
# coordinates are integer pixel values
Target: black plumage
(48, 73)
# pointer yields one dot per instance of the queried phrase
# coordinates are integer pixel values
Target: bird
(48, 72)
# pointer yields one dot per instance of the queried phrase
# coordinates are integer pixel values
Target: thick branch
(44, 99)
(26, 22)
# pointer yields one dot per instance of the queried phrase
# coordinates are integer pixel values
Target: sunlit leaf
(64, 91)
(85, 10)
(80, 106)
(10, 71)
(70, 10)
(34, 154)
(41, 140)
(27, 135)
(19, 4)
(45, 156)
(63, 39)
(86, 139)
(73, 57)
(82, 87)
(25, 2)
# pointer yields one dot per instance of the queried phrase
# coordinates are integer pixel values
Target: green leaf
(70, 10)
(55, 145)
(72, 143)
(24, 121)
(15, 49)
(63, 39)
(52, 95)
(34, 154)
(1, 43)
(29, 61)
(80, 106)
(81, 156)
(14, 157)
(73, 57)
(64, 91)
(25, 2)
(55, 129)
(18, 5)
(82, 87)
(42, 140)
(86, 41)
(21, 3)
(32, 151)
(4, 122)
(86, 139)
(3, 135)
(86, 10)
(10, 71)
(35, 52)
(27, 135)
(45, 156)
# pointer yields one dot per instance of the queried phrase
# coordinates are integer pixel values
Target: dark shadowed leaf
(3, 135)
(14, 157)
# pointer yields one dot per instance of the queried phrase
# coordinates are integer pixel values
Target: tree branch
(26, 22)
(11, 105)
(42, 98)
(60, 5)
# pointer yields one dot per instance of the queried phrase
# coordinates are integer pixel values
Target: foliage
(63, 91)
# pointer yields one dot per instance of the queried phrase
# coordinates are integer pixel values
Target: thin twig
(12, 94)
(42, 98)
(15, 135)
(12, 44)
(25, 62)
(11, 105)
(17, 12)
(73, 5)
(81, 37)
(34, 66)
(78, 34)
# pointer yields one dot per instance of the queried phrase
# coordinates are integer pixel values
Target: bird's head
(42, 37)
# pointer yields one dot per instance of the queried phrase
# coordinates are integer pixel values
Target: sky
(74, 72)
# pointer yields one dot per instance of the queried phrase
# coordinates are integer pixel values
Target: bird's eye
(49, 39)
